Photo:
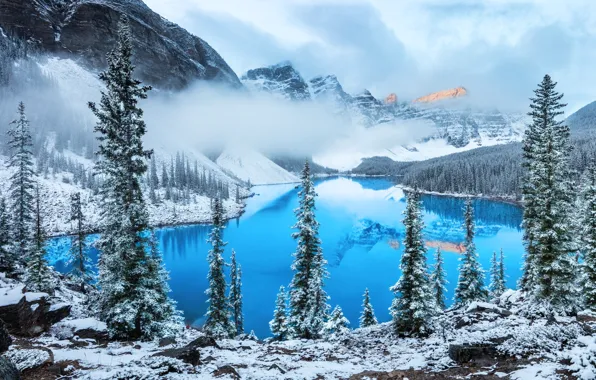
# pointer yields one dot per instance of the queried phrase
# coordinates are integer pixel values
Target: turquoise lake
(361, 231)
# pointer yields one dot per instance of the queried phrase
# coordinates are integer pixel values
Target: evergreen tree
(279, 324)
(7, 259)
(218, 322)
(413, 305)
(367, 318)
(21, 184)
(38, 275)
(438, 281)
(470, 284)
(497, 276)
(132, 297)
(308, 300)
(237, 194)
(236, 295)
(588, 238)
(337, 322)
(153, 181)
(79, 249)
(548, 189)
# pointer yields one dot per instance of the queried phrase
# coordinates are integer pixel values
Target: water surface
(361, 231)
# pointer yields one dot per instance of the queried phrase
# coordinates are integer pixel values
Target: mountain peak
(441, 95)
(391, 98)
(167, 56)
(281, 79)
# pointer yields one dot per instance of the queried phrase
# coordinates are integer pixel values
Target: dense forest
(493, 170)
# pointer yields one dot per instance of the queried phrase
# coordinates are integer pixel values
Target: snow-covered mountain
(251, 166)
(167, 56)
(457, 125)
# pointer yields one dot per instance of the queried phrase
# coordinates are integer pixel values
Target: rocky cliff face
(442, 95)
(166, 55)
(456, 124)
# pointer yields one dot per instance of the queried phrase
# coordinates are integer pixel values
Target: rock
(165, 54)
(484, 307)
(167, 341)
(226, 370)
(85, 328)
(586, 317)
(31, 358)
(8, 371)
(277, 367)
(188, 354)
(58, 312)
(204, 341)
(5, 339)
(32, 315)
(465, 353)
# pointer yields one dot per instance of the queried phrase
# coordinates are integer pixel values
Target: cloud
(499, 49)
(205, 117)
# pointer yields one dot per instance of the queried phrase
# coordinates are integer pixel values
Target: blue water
(361, 232)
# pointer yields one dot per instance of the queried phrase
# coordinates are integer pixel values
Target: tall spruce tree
(236, 295)
(279, 324)
(218, 322)
(38, 275)
(79, 249)
(588, 238)
(132, 294)
(22, 184)
(412, 306)
(308, 299)
(7, 259)
(497, 276)
(470, 284)
(438, 281)
(153, 181)
(367, 318)
(548, 197)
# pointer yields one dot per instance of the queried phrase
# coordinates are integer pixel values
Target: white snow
(249, 165)
(83, 324)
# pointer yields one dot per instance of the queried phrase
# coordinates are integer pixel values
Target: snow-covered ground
(253, 167)
(493, 340)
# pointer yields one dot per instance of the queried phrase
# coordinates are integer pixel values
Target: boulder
(188, 354)
(30, 314)
(31, 358)
(85, 328)
(204, 341)
(5, 339)
(8, 371)
(465, 353)
(484, 307)
(226, 370)
(167, 341)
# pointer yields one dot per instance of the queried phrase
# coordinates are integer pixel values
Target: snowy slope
(254, 167)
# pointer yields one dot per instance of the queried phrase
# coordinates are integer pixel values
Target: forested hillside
(493, 171)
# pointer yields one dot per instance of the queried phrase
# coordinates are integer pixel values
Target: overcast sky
(498, 49)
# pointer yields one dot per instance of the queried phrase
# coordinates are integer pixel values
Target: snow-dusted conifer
(21, 184)
(337, 322)
(438, 281)
(79, 249)
(153, 181)
(38, 275)
(367, 318)
(218, 322)
(588, 238)
(236, 295)
(279, 324)
(549, 271)
(497, 275)
(131, 290)
(308, 299)
(413, 305)
(7, 259)
(470, 284)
